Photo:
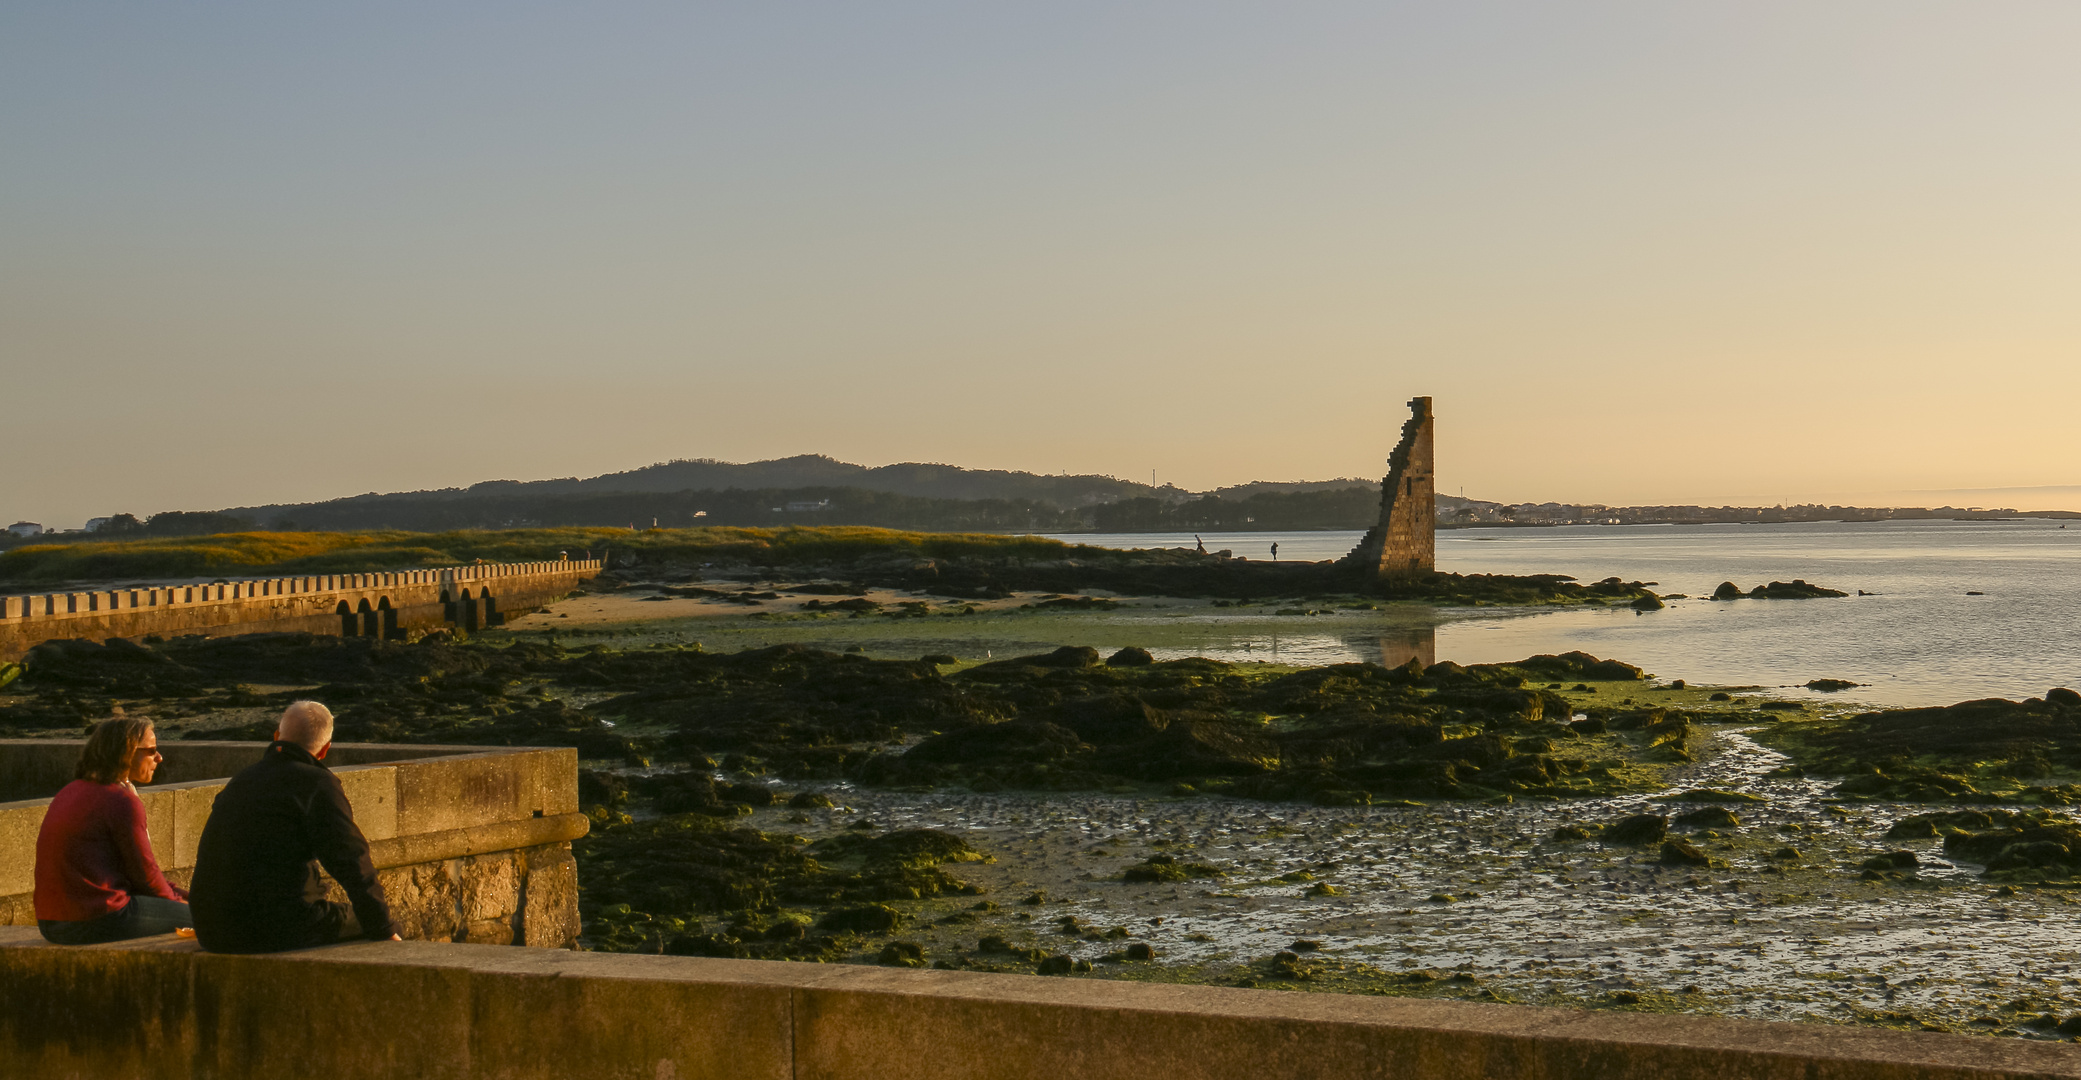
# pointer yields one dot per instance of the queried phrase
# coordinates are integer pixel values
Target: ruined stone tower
(1403, 545)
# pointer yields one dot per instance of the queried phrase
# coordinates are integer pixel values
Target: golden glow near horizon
(1639, 253)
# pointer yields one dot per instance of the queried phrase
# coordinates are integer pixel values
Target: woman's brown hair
(110, 749)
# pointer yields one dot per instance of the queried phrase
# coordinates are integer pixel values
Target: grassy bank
(267, 553)
(966, 565)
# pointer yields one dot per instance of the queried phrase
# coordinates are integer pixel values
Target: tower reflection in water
(1401, 645)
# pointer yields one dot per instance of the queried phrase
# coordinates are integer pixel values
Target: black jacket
(256, 885)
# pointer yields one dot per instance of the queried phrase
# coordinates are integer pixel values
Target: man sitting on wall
(256, 887)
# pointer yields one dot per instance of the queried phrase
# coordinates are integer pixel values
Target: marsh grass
(264, 553)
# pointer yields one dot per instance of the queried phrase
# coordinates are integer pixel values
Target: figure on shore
(1199, 543)
(256, 883)
(1275, 551)
(96, 879)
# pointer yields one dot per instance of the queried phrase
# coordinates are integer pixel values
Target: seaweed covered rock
(866, 919)
(1581, 665)
(117, 667)
(1709, 817)
(1796, 589)
(597, 788)
(1975, 751)
(646, 883)
(1194, 748)
(1831, 686)
(902, 954)
(1340, 735)
(1161, 867)
(1108, 719)
(2032, 849)
(1682, 853)
(1640, 830)
(1932, 826)
(1068, 656)
(548, 723)
(1909, 784)
(1010, 742)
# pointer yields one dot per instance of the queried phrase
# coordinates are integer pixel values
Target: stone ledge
(164, 1008)
(478, 840)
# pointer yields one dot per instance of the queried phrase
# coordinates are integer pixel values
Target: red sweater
(92, 853)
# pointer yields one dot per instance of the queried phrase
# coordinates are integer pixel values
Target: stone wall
(386, 605)
(162, 1008)
(471, 844)
(1404, 542)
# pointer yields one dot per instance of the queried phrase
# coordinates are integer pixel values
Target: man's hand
(394, 937)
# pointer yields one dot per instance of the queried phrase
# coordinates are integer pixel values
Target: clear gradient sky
(1639, 252)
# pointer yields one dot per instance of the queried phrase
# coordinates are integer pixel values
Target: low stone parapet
(384, 605)
(163, 1008)
(472, 844)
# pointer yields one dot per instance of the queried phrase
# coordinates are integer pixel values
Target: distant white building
(96, 524)
(25, 528)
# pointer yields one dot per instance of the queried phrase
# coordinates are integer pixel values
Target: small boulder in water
(1709, 817)
(1639, 830)
(1891, 860)
(1682, 853)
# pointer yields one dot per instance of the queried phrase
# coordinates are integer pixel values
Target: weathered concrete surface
(471, 844)
(37, 768)
(163, 1008)
(1404, 542)
(355, 605)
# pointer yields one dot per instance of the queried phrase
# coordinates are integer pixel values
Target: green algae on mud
(1986, 751)
(652, 886)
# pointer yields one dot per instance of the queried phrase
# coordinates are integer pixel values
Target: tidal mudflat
(1480, 901)
(880, 782)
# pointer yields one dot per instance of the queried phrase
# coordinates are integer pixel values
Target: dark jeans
(338, 924)
(326, 923)
(143, 916)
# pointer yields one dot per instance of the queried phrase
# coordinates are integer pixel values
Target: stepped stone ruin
(1404, 544)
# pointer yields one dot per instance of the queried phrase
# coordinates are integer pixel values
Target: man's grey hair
(307, 724)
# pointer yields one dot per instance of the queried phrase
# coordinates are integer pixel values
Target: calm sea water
(1923, 638)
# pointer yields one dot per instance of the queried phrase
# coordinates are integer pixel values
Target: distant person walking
(256, 872)
(1275, 551)
(96, 879)
(1199, 543)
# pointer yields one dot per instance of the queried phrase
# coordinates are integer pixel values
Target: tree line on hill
(1347, 508)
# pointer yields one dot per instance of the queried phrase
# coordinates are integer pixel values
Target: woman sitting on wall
(96, 879)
